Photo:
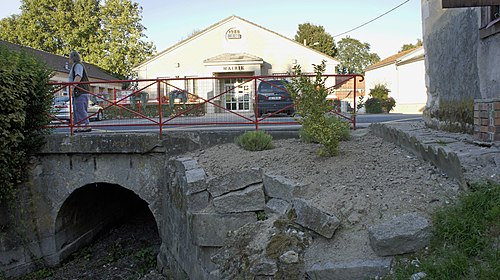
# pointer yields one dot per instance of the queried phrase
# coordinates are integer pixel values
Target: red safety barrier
(172, 103)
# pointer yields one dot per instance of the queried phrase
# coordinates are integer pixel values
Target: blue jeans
(80, 108)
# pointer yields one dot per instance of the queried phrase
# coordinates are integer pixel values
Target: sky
(170, 21)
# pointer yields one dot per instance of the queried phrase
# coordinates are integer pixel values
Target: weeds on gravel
(147, 259)
(38, 274)
(117, 252)
(465, 243)
(255, 141)
(85, 253)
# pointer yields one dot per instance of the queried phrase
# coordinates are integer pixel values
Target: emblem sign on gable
(233, 33)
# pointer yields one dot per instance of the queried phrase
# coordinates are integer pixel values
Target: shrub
(373, 106)
(151, 111)
(312, 106)
(255, 141)
(380, 102)
(25, 99)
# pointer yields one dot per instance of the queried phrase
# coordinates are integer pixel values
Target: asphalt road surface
(217, 122)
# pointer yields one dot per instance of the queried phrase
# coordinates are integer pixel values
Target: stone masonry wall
(461, 67)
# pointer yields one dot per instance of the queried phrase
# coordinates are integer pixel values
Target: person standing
(80, 97)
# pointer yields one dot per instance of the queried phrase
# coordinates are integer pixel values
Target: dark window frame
(490, 21)
(490, 14)
(468, 3)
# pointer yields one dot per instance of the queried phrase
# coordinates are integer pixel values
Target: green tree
(106, 33)
(317, 38)
(354, 56)
(9, 29)
(120, 36)
(406, 47)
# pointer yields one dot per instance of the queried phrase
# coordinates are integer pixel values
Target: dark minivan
(272, 96)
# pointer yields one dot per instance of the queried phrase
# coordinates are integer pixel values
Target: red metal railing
(171, 103)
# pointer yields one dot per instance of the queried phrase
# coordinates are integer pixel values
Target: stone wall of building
(461, 67)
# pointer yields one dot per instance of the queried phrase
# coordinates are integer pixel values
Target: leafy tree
(317, 38)
(9, 29)
(121, 33)
(406, 47)
(109, 35)
(354, 56)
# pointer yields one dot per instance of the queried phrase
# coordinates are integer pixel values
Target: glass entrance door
(237, 95)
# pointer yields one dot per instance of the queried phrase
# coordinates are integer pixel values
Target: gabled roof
(393, 59)
(58, 62)
(416, 55)
(206, 30)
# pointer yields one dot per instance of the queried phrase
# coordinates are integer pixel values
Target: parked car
(272, 97)
(60, 109)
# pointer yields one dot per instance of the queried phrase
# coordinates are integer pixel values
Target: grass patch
(465, 242)
(255, 141)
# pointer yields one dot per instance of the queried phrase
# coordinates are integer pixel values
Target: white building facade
(404, 76)
(229, 49)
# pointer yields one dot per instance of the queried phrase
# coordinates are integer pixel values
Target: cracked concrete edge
(447, 161)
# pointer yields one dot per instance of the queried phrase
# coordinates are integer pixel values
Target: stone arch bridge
(79, 185)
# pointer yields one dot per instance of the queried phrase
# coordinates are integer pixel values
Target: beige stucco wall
(405, 79)
(186, 59)
(411, 94)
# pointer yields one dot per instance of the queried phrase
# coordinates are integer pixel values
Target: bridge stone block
(195, 180)
(356, 269)
(234, 181)
(210, 229)
(246, 200)
(185, 163)
(277, 206)
(191, 176)
(403, 234)
(315, 219)
(198, 201)
(277, 186)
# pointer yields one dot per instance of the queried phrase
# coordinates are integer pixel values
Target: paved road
(217, 122)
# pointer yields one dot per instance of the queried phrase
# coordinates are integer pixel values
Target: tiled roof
(389, 60)
(58, 62)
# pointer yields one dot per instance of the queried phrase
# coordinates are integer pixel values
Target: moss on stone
(453, 115)
(279, 244)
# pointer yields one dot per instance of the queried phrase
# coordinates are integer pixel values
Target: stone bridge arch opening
(95, 211)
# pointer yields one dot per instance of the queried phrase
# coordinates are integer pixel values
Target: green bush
(321, 132)
(312, 107)
(151, 111)
(255, 141)
(380, 102)
(25, 100)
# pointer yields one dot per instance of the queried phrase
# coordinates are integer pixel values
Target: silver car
(60, 109)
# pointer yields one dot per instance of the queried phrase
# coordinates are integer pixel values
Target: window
(190, 85)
